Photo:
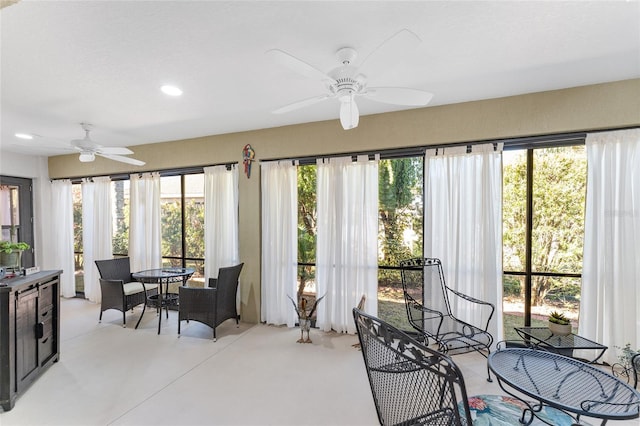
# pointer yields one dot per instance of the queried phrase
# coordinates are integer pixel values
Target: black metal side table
(564, 345)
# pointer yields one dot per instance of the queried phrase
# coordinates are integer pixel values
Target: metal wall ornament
(248, 157)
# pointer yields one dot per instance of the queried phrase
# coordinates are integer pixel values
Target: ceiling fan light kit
(87, 157)
(347, 81)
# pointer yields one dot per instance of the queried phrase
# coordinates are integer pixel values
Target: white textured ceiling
(102, 62)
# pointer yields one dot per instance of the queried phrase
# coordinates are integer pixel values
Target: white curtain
(279, 241)
(463, 224)
(96, 231)
(145, 237)
(347, 240)
(610, 297)
(62, 234)
(220, 219)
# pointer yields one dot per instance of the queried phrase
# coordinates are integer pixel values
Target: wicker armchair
(412, 384)
(119, 290)
(214, 304)
(428, 301)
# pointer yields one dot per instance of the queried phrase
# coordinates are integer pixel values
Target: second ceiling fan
(346, 82)
(89, 149)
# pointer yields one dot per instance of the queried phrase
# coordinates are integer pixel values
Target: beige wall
(603, 106)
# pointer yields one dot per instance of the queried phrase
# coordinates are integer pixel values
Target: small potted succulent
(559, 324)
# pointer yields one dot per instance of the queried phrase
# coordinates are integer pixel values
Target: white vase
(559, 329)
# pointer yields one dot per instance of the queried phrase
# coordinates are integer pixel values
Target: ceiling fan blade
(298, 65)
(391, 52)
(399, 96)
(122, 159)
(301, 104)
(349, 114)
(117, 150)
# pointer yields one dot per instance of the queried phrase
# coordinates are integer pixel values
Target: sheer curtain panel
(347, 240)
(463, 223)
(220, 219)
(145, 236)
(279, 241)
(62, 233)
(96, 231)
(610, 298)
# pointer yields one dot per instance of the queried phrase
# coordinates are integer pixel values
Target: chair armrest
(197, 292)
(477, 302)
(420, 307)
(112, 285)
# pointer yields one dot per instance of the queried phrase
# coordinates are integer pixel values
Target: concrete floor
(253, 375)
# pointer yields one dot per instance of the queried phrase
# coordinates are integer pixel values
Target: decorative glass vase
(11, 260)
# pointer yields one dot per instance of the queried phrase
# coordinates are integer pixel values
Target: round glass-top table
(163, 277)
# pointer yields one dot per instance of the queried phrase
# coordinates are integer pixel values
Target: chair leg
(144, 306)
(124, 318)
(100, 318)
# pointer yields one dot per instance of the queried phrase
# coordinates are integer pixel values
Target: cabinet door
(26, 340)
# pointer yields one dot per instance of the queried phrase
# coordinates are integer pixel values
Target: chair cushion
(136, 287)
(502, 410)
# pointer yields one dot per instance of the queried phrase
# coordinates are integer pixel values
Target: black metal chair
(119, 290)
(428, 301)
(214, 304)
(412, 384)
(635, 369)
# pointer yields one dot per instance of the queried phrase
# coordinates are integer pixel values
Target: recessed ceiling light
(24, 136)
(171, 90)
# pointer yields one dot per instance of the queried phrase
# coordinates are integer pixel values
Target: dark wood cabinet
(29, 331)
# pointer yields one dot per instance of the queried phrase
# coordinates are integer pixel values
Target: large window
(400, 204)
(543, 228)
(182, 210)
(399, 235)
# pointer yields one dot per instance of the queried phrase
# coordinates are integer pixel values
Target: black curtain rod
(163, 172)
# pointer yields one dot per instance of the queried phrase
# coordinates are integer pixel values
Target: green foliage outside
(307, 219)
(559, 189)
(172, 230)
(400, 210)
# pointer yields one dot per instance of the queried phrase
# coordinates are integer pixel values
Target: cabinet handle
(39, 330)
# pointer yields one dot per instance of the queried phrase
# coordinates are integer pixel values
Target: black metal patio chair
(428, 301)
(635, 369)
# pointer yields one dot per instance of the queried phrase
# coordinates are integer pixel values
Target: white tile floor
(253, 375)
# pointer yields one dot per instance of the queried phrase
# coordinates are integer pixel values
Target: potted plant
(559, 324)
(11, 253)
(623, 367)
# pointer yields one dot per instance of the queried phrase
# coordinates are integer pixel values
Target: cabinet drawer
(46, 319)
(46, 348)
(46, 296)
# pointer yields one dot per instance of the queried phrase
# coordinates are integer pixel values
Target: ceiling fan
(89, 149)
(347, 81)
